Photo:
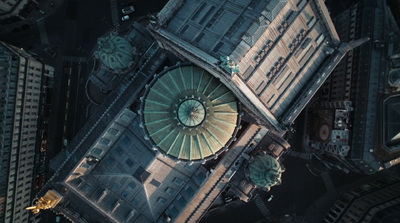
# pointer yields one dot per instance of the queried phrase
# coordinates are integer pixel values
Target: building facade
(15, 10)
(374, 199)
(21, 83)
(273, 55)
(355, 108)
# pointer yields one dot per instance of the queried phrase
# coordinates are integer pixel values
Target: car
(128, 10)
(50, 51)
(269, 197)
(93, 159)
(126, 17)
(228, 199)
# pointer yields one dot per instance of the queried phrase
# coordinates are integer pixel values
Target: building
(353, 124)
(374, 199)
(21, 84)
(190, 115)
(15, 10)
(274, 55)
(264, 171)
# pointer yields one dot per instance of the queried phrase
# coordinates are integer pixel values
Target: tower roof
(188, 114)
(265, 171)
(115, 52)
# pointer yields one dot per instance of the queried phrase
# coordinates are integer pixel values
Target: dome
(188, 114)
(115, 52)
(324, 132)
(394, 77)
(265, 171)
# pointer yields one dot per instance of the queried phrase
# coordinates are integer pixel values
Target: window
(200, 177)
(177, 181)
(132, 185)
(86, 188)
(189, 191)
(85, 165)
(189, 167)
(170, 191)
(162, 201)
(118, 150)
(129, 162)
(113, 131)
(104, 141)
(125, 194)
(115, 187)
(155, 183)
(135, 201)
(173, 212)
(125, 118)
(110, 160)
(125, 140)
(181, 200)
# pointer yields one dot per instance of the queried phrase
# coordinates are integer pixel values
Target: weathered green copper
(265, 171)
(115, 52)
(189, 114)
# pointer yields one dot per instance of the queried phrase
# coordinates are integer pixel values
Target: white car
(125, 17)
(128, 10)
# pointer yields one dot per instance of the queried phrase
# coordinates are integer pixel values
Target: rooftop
(188, 114)
(391, 131)
(265, 171)
(115, 52)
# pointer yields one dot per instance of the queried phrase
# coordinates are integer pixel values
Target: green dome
(115, 52)
(188, 114)
(394, 77)
(265, 171)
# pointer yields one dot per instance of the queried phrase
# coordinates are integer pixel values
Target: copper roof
(188, 114)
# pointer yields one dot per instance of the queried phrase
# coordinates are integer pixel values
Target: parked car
(126, 17)
(50, 51)
(128, 10)
(228, 199)
(269, 197)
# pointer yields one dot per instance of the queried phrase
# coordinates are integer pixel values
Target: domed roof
(115, 52)
(324, 132)
(265, 171)
(188, 114)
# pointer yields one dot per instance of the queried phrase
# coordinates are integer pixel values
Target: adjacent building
(274, 55)
(353, 124)
(15, 10)
(374, 199)
(21, 84)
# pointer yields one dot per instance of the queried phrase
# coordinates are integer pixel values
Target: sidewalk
(48, 7)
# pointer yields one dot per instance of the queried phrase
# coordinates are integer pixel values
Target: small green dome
(265, 171)
(115, 52)
(188, 114)
(394, 77)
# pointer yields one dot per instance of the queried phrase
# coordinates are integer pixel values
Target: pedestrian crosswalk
(328, 181)
(114, 13)
(75, 59)
(302, 155)
(44, 39)
(262, 207)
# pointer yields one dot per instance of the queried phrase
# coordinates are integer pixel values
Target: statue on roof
(228, 65)
(49, 200)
